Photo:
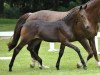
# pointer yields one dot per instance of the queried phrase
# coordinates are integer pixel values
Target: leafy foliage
(24, 6)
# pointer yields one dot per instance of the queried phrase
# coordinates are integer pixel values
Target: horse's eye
(82, 16)
(87, 27)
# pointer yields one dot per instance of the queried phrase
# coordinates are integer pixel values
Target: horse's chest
(67, 33)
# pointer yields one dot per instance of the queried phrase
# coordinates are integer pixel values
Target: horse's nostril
(87, 27)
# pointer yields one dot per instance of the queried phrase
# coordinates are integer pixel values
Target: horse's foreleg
(78, 51)
(16, 51)
(92, 44)
(62, 47)
(86, 45)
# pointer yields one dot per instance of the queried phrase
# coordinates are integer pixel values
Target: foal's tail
(17, 31)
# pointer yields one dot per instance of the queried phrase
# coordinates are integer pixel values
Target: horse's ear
(85, 6)
(80, 8)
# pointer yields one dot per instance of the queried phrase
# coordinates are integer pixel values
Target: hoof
(79, 65)
(98, 64)
(57, 67)
(9, 50)
(10, 70)
(40, 68)
(45, 67)
(32, 66)
(85, 68)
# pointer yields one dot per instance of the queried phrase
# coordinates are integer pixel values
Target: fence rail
(6, 33)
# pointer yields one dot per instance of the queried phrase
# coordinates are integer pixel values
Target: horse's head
(93, 14)
(81, 18)
(84, 23)
(77, 15)
(77, 18)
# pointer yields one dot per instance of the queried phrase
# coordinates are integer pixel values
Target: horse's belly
(50, 37)
(51, 40)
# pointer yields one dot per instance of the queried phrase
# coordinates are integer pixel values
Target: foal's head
(83, 20)
(76, 16)
(78, 19)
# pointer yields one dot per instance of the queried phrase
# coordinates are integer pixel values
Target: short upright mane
(71, 14)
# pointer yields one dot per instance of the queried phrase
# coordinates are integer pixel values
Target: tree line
(15, 8)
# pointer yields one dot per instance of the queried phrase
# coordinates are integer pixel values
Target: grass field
(7, 24)
(23, 60)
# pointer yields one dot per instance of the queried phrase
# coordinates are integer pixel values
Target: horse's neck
(69, 21)
(93, 9)
(70, 18)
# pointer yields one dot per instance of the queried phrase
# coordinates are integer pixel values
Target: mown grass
(23, 60)
(7, 24)
(67, 66)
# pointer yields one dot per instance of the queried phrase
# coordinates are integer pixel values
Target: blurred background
(15, 8)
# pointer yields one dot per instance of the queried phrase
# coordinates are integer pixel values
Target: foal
(63, 31)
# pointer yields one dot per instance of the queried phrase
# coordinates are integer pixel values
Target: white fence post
(96, 42)
(52, 47)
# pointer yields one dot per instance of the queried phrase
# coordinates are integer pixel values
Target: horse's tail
(17, 31)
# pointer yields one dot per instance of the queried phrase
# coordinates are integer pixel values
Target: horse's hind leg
(34, 55)
(62, 47)
(16, 51)
(85, 44)
(35, 48)
(67, 43)
(92, 44)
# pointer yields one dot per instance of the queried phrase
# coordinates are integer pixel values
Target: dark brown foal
(63, 31)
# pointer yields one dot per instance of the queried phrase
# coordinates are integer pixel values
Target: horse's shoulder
(61, 22)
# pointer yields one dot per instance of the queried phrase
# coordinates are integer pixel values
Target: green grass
(23, 60)
(67, 66)
(7, 24)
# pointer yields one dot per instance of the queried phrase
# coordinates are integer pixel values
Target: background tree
(84, 1)
(1, 7)
(15, 8)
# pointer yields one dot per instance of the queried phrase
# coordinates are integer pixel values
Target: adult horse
(94, 18)
(93, 15)
(65, 30)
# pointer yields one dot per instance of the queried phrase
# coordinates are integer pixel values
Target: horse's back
(47, 15)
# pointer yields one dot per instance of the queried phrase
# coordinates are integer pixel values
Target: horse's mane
(71, 14)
